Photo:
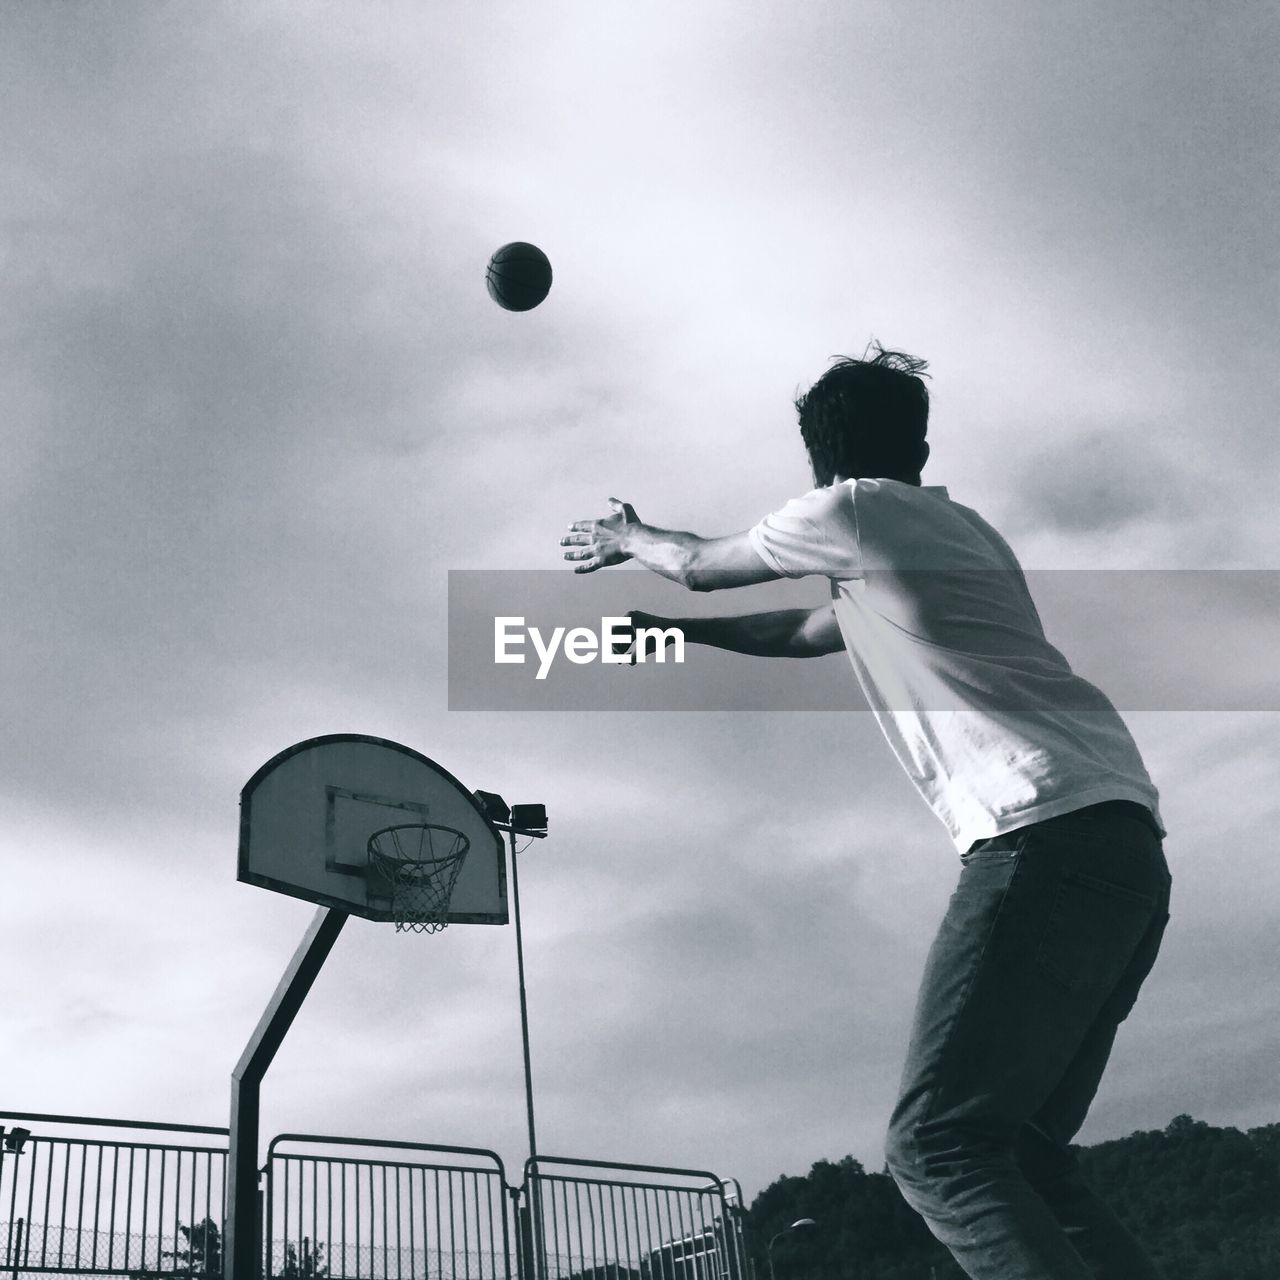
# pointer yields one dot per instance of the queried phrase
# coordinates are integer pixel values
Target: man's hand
(599, 543)
(700, 564)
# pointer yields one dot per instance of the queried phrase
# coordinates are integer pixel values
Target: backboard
(306, 817)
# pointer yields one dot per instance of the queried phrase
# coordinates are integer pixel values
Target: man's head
(867, 417)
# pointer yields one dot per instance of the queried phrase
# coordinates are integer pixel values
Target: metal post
(524, 1003)
(533, 1215)
(17, 1252)
(242, 1243)
(524, 1239)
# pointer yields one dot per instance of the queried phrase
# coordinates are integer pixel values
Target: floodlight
(529, 818)
(495, 807)
(16, 1139)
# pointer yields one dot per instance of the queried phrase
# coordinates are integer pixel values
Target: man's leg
(1097, 1235)
(1043, 1146)
(1040, 938)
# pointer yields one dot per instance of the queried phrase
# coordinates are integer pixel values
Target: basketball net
(420, 861)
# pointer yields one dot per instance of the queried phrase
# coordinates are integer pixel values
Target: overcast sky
(257, 404)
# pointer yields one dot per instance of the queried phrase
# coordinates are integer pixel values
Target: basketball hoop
(420, 861)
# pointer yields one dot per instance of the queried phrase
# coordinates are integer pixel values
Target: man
(1063, 892)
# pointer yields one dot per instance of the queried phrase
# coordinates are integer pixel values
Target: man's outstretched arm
(700, 564)
(784, 633)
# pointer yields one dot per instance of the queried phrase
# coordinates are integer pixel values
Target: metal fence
(88, 1197)
(101, 1197)
(340, 1207)
(597, 1220)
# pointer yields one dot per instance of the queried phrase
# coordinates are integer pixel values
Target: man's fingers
(576, 540)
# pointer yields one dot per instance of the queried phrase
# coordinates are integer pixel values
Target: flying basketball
(519, 276)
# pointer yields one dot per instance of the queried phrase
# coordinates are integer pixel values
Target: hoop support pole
(242, 1244)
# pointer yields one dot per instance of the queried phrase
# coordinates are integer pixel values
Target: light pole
(525, 820)
(518, 820)
(524, 1000)
(799, 1222)
(537, 829)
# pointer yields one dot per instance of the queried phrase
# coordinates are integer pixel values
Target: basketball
(519, 276)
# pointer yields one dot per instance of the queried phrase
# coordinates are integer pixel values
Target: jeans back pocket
(1093, 931)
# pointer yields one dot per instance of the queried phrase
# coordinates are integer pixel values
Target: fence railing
(350, 1208)
(106, 1197)
(88, 1197)
(597, 1220)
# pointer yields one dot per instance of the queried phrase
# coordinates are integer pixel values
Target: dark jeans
(1039, 958)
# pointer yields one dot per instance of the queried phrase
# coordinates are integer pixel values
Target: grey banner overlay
(1150, 640)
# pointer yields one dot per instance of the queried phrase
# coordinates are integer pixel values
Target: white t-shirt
(985, 715)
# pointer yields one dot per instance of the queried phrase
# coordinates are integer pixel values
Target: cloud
(1103, 495)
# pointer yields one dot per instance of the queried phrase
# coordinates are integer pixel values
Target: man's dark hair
(867, 417)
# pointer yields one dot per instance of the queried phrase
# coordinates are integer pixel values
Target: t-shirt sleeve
(813, 534)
